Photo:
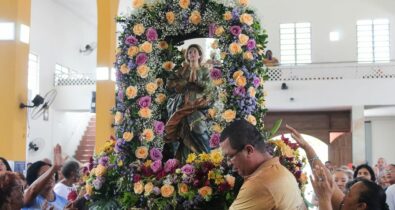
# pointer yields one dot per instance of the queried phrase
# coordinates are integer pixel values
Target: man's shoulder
(391, 189)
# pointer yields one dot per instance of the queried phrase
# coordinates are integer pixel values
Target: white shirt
(63, 190)
(390, 192)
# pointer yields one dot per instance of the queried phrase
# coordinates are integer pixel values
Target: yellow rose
(170, 17)
(247, 19)
(159, 82)
(145, 113)
(238, 74)
(243, 2)
(137, 3)
(163, 45)
(191, 157)
(241, 81)
(118, 118)
(248, 56)
(228, 16)
(141, 152)
(138, 29)
(216, 128)
(146, 47)
(219, 31)
(151, 88)
(148, 188)
(160, 98)
(230, 180)
(214, 45)
(168, 65)
(218, 82)
(132, 51)
(89, 189)
(100, 170)
(184, 4)
(143, 70)
(252, 91)
(212, 112)
(205, 191)
(148, 134)
(229, 115)
(182, 188)
(138, 187)
(235, 48)
(167, 190)
(195, 17)
(243, 39)
(127, 136)
(251, 119)
(223, 55)
(131, 92)
(124, 69)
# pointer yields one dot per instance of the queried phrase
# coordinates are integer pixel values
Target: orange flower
(237, 74)
(251, 91)
(216, 128)
(141, 152)
(145, 113)
(212, 112)
(230, 180)
(170, 17)
(146, 47)
(251, 119)
(182, 188)
(168, 65)
(167, 190)
(137, 3)
(241, 81)
(138, 187)
(195, 17)
(219, 31)
(163, 45)
(138, 29)
(142, 71)
(160, 98)
(131, 92)
(148, 135)
(205, 191)
(148, 188)
(124, 69)
(243, 39)
(243, 2)
(248, 56)
(184, 4)
(89, 189)
(229, 115)
(100, 170)
(247, 19)
(159, 82)
(118, 118)
(235, 48)
(132, 51)
(127, 136)
(227, 16)
(151, 88)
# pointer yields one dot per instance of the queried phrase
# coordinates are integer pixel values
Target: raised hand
(57, 160)
(323, 187)
(297, 136)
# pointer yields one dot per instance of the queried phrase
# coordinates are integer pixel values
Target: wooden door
(340, 150)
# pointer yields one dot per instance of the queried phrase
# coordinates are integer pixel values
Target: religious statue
(186, 127)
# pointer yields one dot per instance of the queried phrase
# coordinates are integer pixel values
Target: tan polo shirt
(270, 187)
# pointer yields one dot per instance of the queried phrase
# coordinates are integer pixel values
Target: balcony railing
(73, 79)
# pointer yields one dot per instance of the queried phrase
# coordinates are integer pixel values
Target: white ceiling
(85, 9)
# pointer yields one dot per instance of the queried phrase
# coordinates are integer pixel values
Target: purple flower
(151, 34)
(214, 140)
(155, 154)
(97, 184)
(131, 40)
(171, 165)
(235, 30)
(215, 74)
(131, 64)
(159, 127)
(236, 13)
(103, 160)
(156, 166)
(144, 101)
(256, 81)
(120, 95)
(239, 91)
(211, 29)
(141, 59)
(251, 44)
(188, 169)
(156, 191)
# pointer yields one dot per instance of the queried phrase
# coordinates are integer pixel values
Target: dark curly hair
(6, 163)
(367, 167)
(32, 171)
(8, 180)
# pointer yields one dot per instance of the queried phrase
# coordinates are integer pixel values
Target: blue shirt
(58, 203)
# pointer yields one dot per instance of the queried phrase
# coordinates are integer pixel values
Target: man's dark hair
(32, 171)
(373, 195)
(241, 133)
(371, 172)
(69, 167)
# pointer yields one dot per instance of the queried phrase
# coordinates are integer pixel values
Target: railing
(332, 71)
(73, 79)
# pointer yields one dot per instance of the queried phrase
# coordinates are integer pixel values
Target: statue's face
(193, 54)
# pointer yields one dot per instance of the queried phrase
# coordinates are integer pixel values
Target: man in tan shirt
(268, 185)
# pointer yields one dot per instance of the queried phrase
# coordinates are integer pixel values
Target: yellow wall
(105, 90)
(13, 82)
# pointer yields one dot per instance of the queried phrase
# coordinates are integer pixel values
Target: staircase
(87, 144)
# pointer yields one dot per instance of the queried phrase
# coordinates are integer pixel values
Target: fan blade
(38, 112)
(49, 98)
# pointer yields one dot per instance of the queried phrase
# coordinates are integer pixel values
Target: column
(358, 135)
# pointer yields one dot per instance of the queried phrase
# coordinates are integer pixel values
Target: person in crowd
(41, 180)
(267, 184)
(379, 168)
(349, 172)
(269, 59)
(71, 174)
(11, 191)
(341, 178)
(365, 171)
(383, 181)
(4, 166)
(364, 194)
(390, 172)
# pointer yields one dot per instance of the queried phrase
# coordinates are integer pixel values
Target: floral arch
(130, 167)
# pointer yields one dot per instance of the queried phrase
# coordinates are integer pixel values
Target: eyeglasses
(230, 158)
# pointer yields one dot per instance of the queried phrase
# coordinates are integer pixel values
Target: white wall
(383, 136)
(56, 36)
(74, 98)
(325, 16)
